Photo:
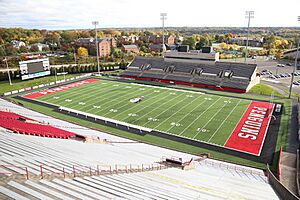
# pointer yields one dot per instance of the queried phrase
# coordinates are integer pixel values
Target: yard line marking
(128, 94)
(199, 116)
(177, 111)
(167, 109)
(210, 119)
(110, 98)
(189, 113)
(156, 107)
(74, 94)
(152, 97)
(108, 89)
(83, 87)
(224, 120)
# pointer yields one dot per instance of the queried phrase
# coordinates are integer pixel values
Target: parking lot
(276, 74)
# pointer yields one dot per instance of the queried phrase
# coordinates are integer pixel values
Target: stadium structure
(195, 68)
(103, 137)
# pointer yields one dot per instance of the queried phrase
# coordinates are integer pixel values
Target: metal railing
(12, 172)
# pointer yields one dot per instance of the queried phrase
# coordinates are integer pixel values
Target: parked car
(277, 76)
(296, 83)
(280, 65)
(272, 77)
(288, 64)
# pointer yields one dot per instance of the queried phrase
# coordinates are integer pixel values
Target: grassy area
(198, 116)
(263, 89)
(19, 84)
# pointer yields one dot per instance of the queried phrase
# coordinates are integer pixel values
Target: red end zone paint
(58, 89)
(249, 134)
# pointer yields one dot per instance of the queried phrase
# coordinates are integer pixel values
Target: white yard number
(113, 110)
(156, 91)
(132, 114)
(202, 130)
(81, 103)
(172, 93)
(68, 100)
(96, 106)
(175, 124)
(190, 96)
(208, 98)
(153, 119)
(55, 97)
(227, 101)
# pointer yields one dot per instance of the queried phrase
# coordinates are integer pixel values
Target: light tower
(249, 16)
(95, 23)
(295, 67)
(163, 17)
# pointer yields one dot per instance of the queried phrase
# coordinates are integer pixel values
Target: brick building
(130, 48)
(104, 47)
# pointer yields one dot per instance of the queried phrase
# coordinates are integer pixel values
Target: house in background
(40, 46)
(130, 48)
(155, 47)
(252, 42)
(157, 39)
(17, 44)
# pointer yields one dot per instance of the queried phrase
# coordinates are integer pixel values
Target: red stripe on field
(58, 89)
(249, 134)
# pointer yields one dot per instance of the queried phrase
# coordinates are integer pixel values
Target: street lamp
(249, 15)
(163, 17)
(295, 67)
(95, 23)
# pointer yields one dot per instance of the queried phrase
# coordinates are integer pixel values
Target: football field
(195, 115)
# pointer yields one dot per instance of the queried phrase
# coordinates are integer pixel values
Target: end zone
(58, 89)
(250, 133)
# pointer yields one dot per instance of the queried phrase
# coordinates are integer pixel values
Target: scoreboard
(34, 68)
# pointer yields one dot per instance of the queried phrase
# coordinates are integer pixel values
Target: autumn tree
(82, 52)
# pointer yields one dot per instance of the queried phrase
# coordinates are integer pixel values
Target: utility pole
(8, 72)
(295, 67)
(249, 15)
(96, 42)
(55, 73)
(163, 17)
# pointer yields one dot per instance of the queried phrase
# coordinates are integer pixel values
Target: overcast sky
(69, 14)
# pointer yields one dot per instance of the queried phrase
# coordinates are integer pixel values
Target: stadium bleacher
(236, 77)
(23, 125)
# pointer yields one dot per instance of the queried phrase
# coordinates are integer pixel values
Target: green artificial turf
(199, 116)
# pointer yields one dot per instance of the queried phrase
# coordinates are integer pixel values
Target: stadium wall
(281, 190)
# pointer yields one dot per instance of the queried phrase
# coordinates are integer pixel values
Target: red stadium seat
(25, 126)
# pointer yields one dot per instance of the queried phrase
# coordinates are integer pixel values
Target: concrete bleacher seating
(24, 125)
(181, 73)
(203, 182)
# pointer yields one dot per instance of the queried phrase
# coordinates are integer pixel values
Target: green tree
(191, 41)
